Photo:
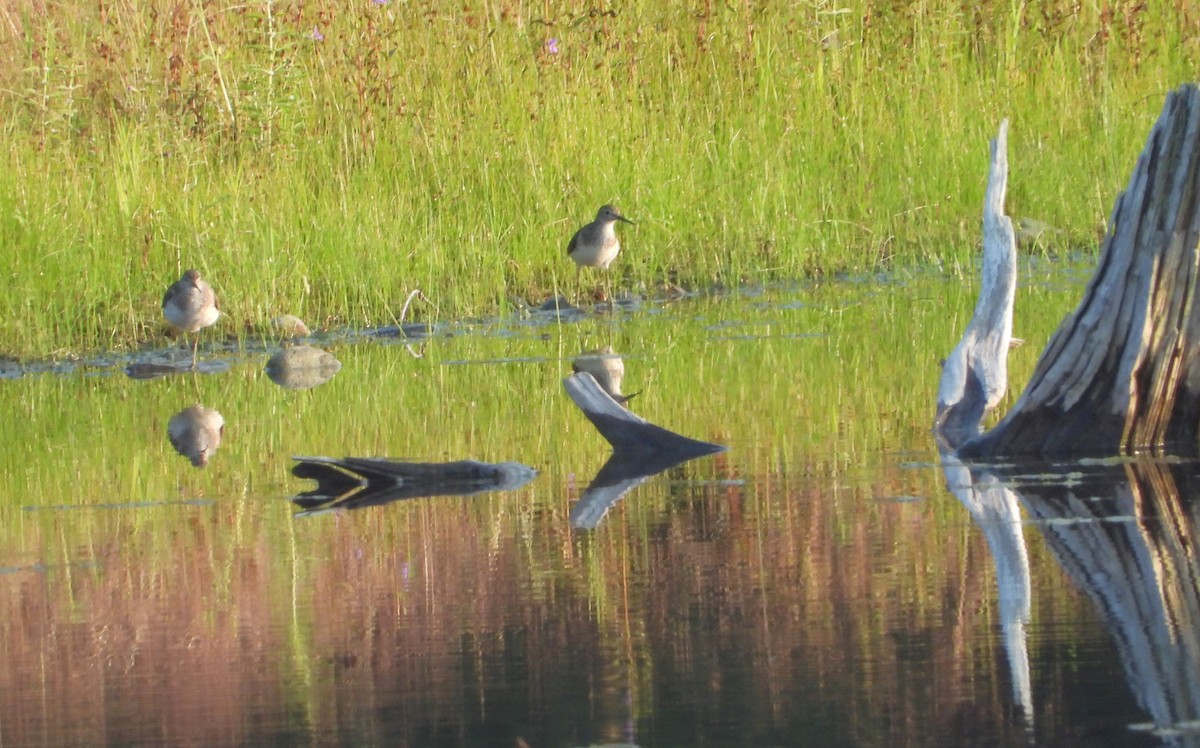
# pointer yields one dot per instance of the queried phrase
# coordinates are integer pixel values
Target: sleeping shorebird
(190, 305)
(596, 244)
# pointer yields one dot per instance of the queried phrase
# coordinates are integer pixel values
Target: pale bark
(1122, 373)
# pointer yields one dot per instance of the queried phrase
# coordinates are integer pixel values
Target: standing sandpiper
(190, 305)
(596, 244)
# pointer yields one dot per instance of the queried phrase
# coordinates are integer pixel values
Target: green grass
(442, 146)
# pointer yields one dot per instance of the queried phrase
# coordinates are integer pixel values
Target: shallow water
(816, 584)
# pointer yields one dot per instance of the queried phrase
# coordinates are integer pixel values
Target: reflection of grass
(456, 149)
(836, 373)
(827, 405)
(742, 577)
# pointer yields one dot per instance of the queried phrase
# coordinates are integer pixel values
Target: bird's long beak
(626, 220)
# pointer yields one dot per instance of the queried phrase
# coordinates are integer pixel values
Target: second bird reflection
(196, 432)
(607, 368)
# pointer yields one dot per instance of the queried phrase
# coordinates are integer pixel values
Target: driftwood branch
(1122, 373)
(975, 375)
(623, 429)
(641, 450)
(356, 482)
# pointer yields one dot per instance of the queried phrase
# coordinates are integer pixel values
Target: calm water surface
(829, 580)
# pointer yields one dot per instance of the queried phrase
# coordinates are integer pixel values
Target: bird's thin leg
(195, 349)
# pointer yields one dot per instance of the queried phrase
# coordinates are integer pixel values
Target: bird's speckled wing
(571, 245)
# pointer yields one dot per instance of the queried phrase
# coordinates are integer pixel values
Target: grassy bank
(325, 158)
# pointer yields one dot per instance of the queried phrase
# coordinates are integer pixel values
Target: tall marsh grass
(324, 158)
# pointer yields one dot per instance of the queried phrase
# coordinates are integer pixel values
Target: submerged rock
(557, 304)
(407, 330)
(301, 367)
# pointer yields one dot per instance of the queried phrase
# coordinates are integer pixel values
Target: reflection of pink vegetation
(196, 632)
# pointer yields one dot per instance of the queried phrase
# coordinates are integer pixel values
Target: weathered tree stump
(1122, 373)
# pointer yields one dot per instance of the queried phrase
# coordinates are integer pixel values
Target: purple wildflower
(316, 35)
(552, 45)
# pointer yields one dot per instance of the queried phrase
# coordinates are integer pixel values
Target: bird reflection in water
(195, 432)
(607, 368)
